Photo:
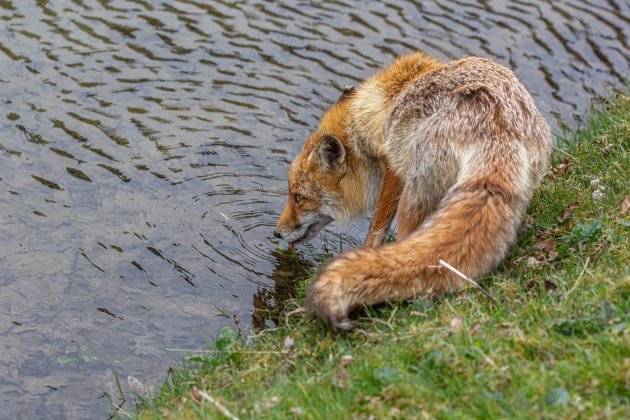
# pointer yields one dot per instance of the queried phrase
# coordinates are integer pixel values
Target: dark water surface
(144, 146)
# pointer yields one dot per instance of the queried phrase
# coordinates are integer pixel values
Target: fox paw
(337, 323)
(328, 299)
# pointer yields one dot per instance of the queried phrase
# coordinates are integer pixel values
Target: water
(144, 146)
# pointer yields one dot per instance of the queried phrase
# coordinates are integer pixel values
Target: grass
(557, 345)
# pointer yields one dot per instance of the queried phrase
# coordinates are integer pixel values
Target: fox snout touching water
(453, 150)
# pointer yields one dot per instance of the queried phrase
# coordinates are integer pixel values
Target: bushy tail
(471, 230)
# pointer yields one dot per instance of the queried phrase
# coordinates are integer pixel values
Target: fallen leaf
(346, 359)
(532, 262)
(625, 206)
(548, 248)
(296, 411)
(288, 344)
(597, 195)
(567, 211)
(268, 403)
(395, 412)
(373, 402)
(549, 285)
(562, 168)
(457, 323)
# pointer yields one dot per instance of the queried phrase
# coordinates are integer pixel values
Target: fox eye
(297, 198)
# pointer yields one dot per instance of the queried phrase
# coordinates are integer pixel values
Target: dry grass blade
(468, 279)
(297, 311)
(198, 393)
(579, 279)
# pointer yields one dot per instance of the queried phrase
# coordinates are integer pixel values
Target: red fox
(454, 150)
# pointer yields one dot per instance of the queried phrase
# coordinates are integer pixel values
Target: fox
(453, 150)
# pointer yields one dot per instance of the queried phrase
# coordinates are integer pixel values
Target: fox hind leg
(410, 213)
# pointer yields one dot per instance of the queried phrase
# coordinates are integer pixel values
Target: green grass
(557, 344)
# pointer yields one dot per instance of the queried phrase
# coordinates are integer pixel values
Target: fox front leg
(385, 209)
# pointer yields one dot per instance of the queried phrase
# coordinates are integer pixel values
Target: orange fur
(385, 210)
(410, 216)
(404, 71)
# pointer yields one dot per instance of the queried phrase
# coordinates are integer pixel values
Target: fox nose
(277, 234)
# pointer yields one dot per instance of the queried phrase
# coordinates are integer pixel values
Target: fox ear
(330, 153)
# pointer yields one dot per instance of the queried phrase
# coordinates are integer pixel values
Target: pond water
(144, 146)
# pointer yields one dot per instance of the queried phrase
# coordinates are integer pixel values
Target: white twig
(217, 404)
(468, 279)
(297, 311)
(118, 406)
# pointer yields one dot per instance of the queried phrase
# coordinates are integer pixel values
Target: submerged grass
(556, 345)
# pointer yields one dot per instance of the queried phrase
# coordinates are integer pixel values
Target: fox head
(314, 189)
(322, 185)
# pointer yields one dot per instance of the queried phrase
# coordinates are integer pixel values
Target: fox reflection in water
(270, 303)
